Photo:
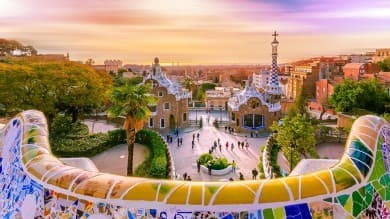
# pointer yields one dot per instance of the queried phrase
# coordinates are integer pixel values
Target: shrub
(156, 165)
(219, 164)
(69, 139)
(205, 158)
(216, 163)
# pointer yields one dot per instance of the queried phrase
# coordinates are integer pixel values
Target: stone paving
(185, 157)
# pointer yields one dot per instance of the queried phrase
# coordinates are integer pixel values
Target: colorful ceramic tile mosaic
(35, 184)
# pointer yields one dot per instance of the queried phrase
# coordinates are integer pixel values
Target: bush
(204, 158)
(219, 164)
(69, 139)
(216, 163)
(156, 165)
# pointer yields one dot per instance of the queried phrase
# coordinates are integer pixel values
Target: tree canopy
(384, 65)
(369, 95)
(51, 87)
(296, 132)
(8, 47)
(131, 101)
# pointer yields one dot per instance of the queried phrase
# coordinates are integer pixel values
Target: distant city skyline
(196, 31)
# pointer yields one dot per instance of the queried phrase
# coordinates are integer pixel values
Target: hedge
(216, 163)
(87, 146)
(156, 165)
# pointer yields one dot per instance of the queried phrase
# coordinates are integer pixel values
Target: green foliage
(121, 81)
(216, 124)
(69, 139)
(367, 94)
(296, 132)
(386, 116)
(219, 163)
(200, 93)
(156, 165)
(204, 158)
(275, 148)
(131, 101)
(384, 65)
(51, 87)
(216, 163)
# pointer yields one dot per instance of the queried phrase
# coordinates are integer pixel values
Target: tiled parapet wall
(36, 184)
(266, 159)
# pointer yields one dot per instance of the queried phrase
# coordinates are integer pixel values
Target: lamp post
(196, 116)
(220, 114)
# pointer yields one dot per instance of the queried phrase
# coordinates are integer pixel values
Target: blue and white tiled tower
(273, 90)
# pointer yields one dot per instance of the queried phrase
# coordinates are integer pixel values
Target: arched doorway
(172, 122)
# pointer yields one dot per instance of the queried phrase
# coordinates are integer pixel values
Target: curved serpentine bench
(36, 183)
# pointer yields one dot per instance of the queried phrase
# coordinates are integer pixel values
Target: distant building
(260, 79)
(112, 65)
(355, 71)
(251, 110)
(324, 89)
(171, 110)
(384, 78)
(380, 55)
(218, 98)
(303, 78)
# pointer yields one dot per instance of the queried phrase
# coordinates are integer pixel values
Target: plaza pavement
(185, 157)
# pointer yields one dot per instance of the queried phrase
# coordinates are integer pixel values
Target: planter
(225, 171)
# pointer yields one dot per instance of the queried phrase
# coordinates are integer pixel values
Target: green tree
(367, 94)
(51, 87)
(384, 65)
(131, 101)
(296, 132)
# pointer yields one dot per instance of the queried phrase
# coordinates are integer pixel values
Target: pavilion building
(171, 109)
(251, 110)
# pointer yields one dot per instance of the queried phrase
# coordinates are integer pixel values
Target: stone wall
(176, 110)
(269, 117)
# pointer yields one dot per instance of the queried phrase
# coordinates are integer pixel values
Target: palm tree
(131, 101)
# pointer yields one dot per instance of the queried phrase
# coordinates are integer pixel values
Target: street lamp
(220, 114)
(196, 116)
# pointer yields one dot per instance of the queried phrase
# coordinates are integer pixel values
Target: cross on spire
(275, 34)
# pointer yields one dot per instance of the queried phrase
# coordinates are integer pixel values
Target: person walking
(185, 176)
(178, 142)
(197, 136)
(254, 173)
(238, 144)
(209, 167)
(198, 165)
(193, 137)
(220, 147)
(193, 144)
(247, 146)
(227, 145)
(234, 166)
(232, 146)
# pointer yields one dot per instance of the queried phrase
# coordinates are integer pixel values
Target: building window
(184, 117)
(166, 106)
(162, 123)
(160, 93)
(151, 123)
(152, 108)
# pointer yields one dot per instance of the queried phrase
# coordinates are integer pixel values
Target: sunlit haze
(196, 31)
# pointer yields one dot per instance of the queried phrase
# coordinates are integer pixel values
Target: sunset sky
(196, 31)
